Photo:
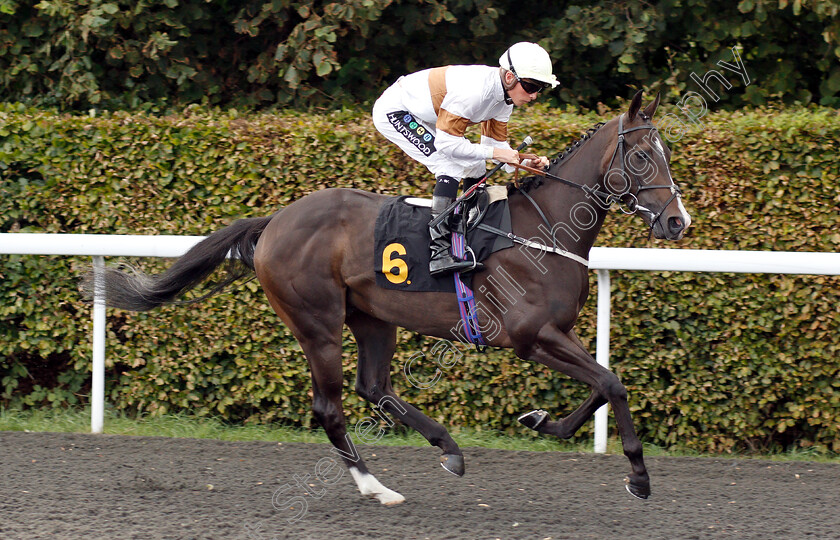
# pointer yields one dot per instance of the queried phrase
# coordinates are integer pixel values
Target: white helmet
(529, 61)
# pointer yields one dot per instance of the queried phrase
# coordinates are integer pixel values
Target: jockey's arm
(494, 134)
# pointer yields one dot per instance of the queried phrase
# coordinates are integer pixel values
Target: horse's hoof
(534, 419)
(390, 498)
(453, 463)
(640, 490)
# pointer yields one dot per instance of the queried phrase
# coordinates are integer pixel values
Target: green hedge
(120, 54)
(712, 361)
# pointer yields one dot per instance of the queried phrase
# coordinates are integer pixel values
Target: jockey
(426, 114)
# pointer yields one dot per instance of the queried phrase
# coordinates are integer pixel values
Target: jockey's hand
(534, 161)
(506, 155)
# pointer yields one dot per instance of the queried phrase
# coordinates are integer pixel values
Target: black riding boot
(442, 260)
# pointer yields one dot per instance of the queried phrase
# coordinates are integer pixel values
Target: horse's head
(639, 174)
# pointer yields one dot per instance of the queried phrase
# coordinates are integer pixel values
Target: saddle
(475, 206)
(401, 238)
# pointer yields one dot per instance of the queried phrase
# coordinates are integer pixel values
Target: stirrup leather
(442, 261)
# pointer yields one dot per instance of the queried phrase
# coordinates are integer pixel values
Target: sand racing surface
(57, 485)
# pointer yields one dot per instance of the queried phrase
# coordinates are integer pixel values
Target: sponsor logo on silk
(413, 131)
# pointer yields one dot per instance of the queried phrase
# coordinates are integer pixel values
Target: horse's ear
(634, 105)
(650, 110)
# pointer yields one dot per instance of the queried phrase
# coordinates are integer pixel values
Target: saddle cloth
(401, 241)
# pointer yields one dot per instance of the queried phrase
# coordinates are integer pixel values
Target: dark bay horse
(314, 260)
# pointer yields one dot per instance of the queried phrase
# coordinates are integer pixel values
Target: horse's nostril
(675, 224)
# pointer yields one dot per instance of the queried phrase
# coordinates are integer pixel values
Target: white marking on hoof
(369, 486)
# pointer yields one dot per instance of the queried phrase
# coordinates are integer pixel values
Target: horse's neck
(578, 214)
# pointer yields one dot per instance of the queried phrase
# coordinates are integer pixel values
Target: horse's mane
(572, 148)
(535, 181)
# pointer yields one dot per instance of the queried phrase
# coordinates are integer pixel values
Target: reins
(631, 207)
(608, 198)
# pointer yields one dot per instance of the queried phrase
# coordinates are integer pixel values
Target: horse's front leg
(565, 428)
(563, 352)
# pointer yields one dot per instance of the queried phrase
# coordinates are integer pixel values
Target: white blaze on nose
(686, 219)
(659, 146)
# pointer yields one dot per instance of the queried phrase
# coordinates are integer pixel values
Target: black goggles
(530, 87)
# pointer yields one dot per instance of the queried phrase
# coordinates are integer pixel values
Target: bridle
(608, 199)
(633, 206)
(628, 207)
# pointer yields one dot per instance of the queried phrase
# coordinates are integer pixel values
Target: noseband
(633, 205)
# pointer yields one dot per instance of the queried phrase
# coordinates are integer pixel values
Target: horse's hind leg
(377, 342)
(327, 382)
(320, 339)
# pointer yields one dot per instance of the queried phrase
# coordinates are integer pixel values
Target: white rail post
(602, 355)
(97, 394)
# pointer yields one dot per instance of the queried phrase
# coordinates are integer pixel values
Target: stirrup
(476, 266)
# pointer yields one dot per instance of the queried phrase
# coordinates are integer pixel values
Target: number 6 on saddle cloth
(401, 239)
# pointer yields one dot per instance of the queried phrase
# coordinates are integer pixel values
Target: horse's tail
(136, 291)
